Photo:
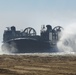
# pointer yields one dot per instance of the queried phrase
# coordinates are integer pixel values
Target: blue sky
(34, 13)
(35, 5)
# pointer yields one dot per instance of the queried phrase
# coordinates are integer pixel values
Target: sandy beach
(37, 65)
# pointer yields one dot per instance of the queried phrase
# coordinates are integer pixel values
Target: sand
(37, 65)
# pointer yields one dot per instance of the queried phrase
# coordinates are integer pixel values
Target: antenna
(43, 28)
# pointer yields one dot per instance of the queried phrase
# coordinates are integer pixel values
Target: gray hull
(28, 46)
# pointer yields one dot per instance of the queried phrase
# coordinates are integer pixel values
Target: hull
(28, 46)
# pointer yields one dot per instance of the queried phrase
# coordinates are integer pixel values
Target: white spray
(5, 49)
(1, 52)
(67, 42)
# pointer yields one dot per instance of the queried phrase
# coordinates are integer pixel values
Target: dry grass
(36, 65)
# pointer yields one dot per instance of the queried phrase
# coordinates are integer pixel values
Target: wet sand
(37, 65)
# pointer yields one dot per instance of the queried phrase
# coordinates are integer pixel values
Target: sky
(34, 13)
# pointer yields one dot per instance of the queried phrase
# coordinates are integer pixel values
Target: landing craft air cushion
(28, 41)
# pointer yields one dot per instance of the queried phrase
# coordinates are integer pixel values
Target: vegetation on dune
(36, 65)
